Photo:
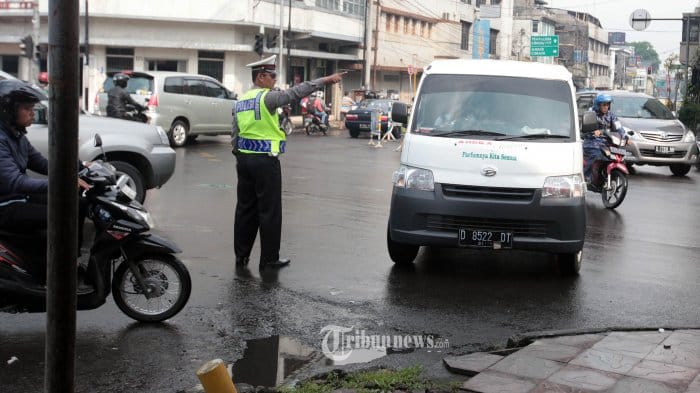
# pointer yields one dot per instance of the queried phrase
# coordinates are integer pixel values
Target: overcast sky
(614, 15)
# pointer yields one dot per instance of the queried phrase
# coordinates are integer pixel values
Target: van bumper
(433, 219)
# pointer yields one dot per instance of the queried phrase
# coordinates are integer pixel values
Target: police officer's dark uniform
(118, 97)
(257, 142)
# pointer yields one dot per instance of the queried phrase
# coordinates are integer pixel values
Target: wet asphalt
(641, 268)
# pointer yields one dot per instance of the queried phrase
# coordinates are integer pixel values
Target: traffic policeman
(257, 143)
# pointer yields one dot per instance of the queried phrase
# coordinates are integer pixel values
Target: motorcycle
(148, 283)
(610, 174)
(136, 114)
(285, 113)
(313, 125)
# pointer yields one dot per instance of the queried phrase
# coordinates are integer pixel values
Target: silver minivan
(187, 105)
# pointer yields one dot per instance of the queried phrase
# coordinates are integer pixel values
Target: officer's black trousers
(259, 206)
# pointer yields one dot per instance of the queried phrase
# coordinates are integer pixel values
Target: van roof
(499, 68)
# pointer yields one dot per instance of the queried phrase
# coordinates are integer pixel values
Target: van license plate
(484, 239)
(364, 126)
(665, 149)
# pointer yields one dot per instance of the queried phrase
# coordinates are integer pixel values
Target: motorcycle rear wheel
(163, 274)
(613, 197)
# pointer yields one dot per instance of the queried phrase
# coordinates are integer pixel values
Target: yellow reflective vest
(259, 131)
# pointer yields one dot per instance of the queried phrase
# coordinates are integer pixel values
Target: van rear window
(140, 85)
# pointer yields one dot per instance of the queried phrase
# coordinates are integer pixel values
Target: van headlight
(414, 178)
(570, 186)
(689, 137)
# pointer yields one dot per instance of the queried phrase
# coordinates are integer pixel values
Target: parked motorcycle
(285, 113)
(610, 174)
(313, 125)
(148, 283)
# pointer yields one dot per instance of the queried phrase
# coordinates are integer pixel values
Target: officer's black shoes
(242, 261)
(280, 263)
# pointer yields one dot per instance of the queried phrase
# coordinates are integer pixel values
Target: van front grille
(518, 227)
(491, 193)
(652, 136)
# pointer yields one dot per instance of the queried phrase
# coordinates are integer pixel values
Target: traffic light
(27, 47)
(259, 44)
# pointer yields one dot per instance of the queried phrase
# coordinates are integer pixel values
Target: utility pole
(62, 243)
(280, 44)
(36, 36)
(290, 77)
(376, 48)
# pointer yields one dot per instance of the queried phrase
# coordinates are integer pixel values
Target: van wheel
(569, 264)
(401, 254)
(178, 133)
(134, 178)
(679, 169)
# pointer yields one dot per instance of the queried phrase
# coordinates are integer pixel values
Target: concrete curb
(524, 339)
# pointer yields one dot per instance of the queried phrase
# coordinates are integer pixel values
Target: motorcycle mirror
(98, 140)
(630, 133)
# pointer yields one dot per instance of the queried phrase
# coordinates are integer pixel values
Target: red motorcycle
(610, 174)
(313, 125)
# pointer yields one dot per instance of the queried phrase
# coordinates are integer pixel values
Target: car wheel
(569, 264)
(134, 178)
(178, 133)
(679, 169)
(354, 133)
(401, 254)
(191, 138)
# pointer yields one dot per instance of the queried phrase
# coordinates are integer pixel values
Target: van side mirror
(589, 123)
(399, 113)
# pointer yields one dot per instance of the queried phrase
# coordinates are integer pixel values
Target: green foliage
(375, 381)
(690, 115)
(646, 52)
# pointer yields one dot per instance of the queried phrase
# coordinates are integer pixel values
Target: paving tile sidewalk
(612, 362)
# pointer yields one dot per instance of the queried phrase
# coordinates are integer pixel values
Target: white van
(492, 159)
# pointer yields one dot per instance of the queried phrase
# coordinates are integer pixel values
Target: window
(388, 22)
(329, 4)
(211, 64)
(194, 87)
(119, 59)
(493, 39)
(405, 25)
(354, 7)
(173, 85)
(211, 89)
(167, 65)
(9, 64)
(464, 45)
(535, 26)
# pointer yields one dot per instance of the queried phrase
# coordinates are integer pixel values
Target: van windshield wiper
(533, 136)
(466, 132)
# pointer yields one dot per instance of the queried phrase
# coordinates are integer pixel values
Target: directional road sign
(544, 45)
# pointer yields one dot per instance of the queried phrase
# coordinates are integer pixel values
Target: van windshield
(494, 107)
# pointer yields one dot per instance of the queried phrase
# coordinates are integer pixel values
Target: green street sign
(544, 45)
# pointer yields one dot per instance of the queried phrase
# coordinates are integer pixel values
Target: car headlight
(414, 178)
(689, 137)
(570, 186)
(163, 135)
(141, 216)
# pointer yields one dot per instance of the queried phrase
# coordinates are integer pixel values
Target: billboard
(482, 35)
(616, 38)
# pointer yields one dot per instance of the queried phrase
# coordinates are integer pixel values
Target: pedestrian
(257, 143)
(346, 105)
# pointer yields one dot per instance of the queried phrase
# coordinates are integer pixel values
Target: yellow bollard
(215, 378)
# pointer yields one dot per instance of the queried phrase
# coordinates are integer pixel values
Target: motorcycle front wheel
(615, 194)
(164, 291)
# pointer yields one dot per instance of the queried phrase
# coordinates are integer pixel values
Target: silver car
(658, 137)
(140, 151)
(186, 105)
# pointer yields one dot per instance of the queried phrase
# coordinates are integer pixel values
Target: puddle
(268, 361)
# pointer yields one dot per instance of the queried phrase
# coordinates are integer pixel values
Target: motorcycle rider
(23, 200)
(595, 140)
(119, 98)
(319, 108)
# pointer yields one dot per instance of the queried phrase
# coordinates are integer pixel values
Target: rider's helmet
(120, 79)
(602, 98)
(12, 93)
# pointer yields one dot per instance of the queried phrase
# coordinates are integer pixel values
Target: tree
(647, 53)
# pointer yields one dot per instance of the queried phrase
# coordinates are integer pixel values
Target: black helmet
(13, 92)
(120, 79)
